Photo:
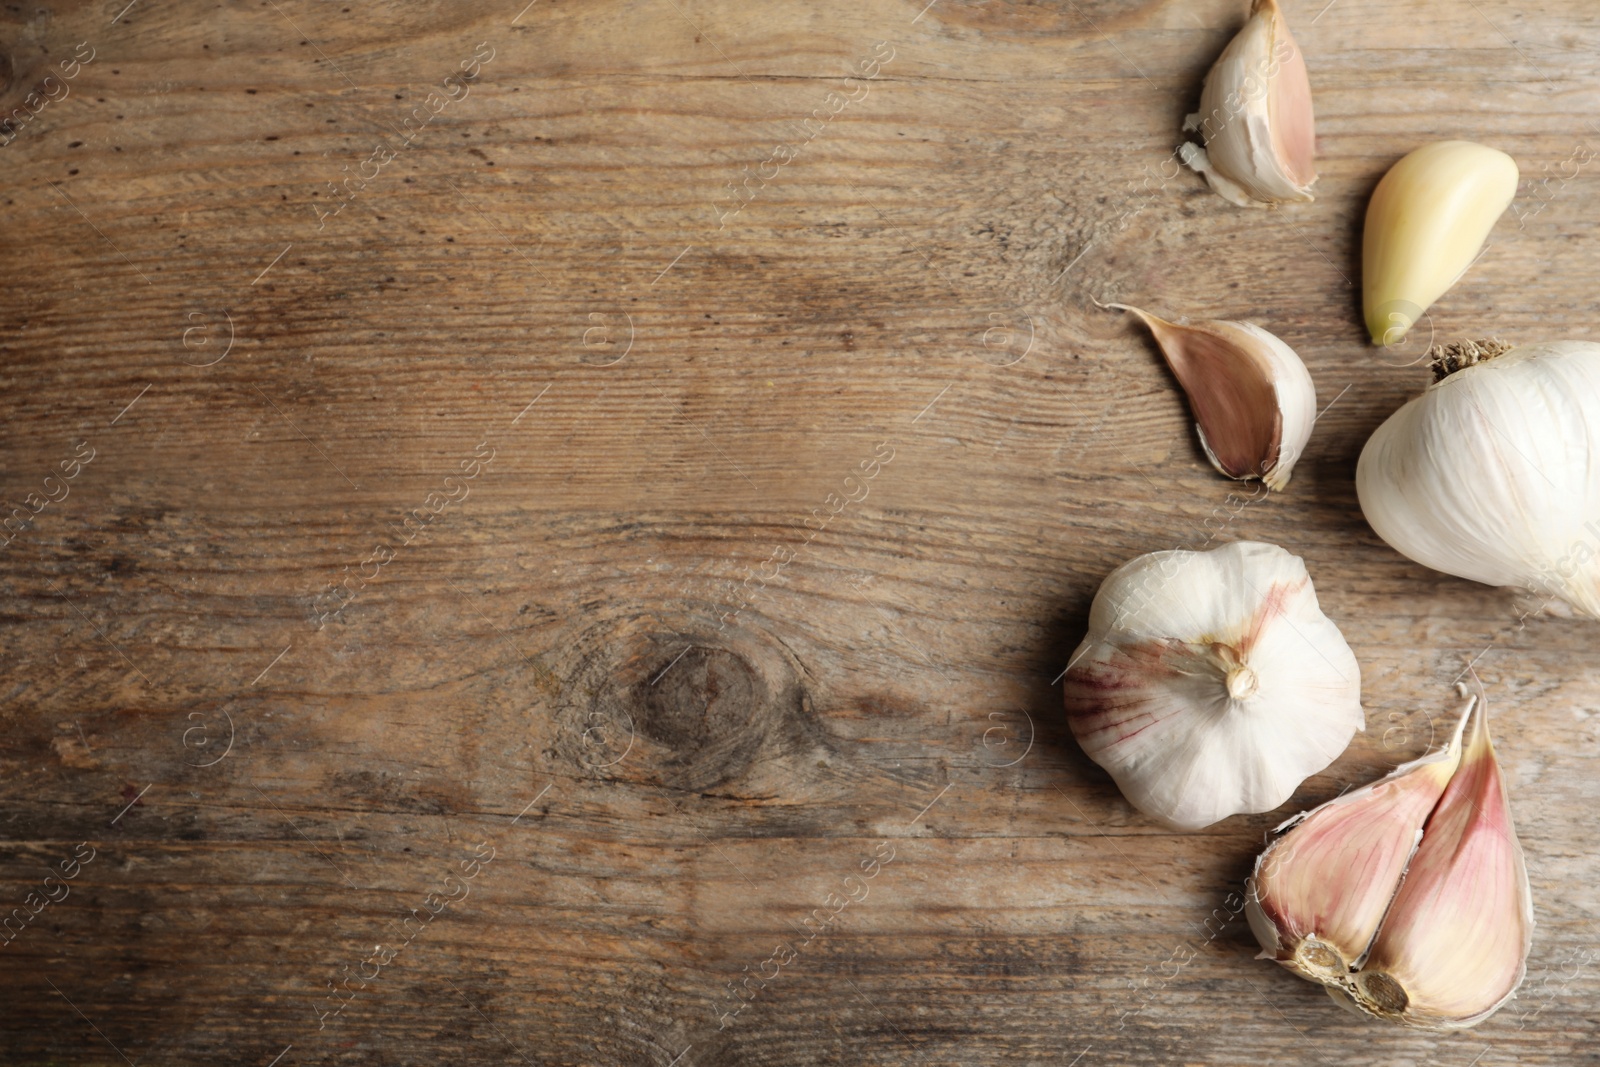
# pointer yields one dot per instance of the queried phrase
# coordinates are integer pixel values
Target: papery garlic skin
(1454, 945)
(1493, 473)
(1253, 400)
(1255, 117)
(1320, 891)
(1426, 222)
(1210, 683)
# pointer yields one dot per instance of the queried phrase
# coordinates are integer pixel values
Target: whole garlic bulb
(1493, 473)
(1255, 117)
(1210, 683)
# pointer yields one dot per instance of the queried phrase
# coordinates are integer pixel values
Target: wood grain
(618, 656)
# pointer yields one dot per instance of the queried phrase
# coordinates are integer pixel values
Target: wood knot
(691, 710)
(703, 698)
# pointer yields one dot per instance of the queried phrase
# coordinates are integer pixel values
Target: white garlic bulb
(1255, 117)
(1210, 683)
(1493, 473)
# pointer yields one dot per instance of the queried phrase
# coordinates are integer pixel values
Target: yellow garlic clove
(1320, 891)
(1454, 945)
(1255, 117)
(1252, 397)
(1426, 223)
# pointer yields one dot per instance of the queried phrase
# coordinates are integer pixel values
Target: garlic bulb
(1409, 898)
(1255, 117)
(1426, 223)
(1210, 683)
(1252, 397)
(1493, 473)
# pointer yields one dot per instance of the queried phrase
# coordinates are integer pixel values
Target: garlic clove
(1426, 223)
(1493, 473)
(1255, 117)
(1454, 945)
(1210, 683)
(1320, 891)
(1252, 397)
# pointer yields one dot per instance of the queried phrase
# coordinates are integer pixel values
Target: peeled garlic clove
(1426, 223)
(1454, 946)
(1255, 117)
(1320, 891)
(1252, 397)
(1493, 473)
(1210, 683)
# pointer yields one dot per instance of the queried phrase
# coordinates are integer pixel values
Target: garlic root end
(1445, 360)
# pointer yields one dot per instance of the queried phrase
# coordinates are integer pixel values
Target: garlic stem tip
(1242, 683)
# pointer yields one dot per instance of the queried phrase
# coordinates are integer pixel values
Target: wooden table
(594, 499)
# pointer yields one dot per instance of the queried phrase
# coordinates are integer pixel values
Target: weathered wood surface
(619, 657)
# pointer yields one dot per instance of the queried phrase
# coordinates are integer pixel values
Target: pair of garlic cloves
(1408, 898)
(1252, 397)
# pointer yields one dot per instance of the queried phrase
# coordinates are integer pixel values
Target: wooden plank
(626, 654)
